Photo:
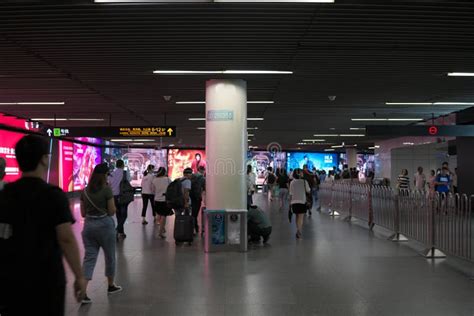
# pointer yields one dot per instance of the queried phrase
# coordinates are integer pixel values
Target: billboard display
(85, 158)
(180, 159)
(261, 160)
(8, 141)
(318, 161)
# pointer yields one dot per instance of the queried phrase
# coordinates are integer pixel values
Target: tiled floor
(338, 269)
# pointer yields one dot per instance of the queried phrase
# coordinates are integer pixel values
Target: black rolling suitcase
(184, 227)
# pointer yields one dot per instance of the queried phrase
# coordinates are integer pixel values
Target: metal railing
(442, 222)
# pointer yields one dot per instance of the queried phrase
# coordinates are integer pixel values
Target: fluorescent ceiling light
(385, 119)
(461, 74)
(171, 145)
(32, 103)
(250, 135)
(222, 72)
(85, 119)
(248, 119)
(357, 128)
(204, 102)
(249, 140)
(275, 1)
(409, 103)
(137, 143)
(329, 149)
(49, 119)
(454, 103)
(374, 147)
(337, 146)
(352, 135)
(121, 140)
(313, 140)
(252, 128)
(326, 135)
(201, 128)
(408, 143)
(144, 140)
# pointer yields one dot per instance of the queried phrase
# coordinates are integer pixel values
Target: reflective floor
(337, 269)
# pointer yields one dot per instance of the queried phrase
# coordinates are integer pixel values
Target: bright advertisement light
(86, 157)
(8, 141)
(319, 161)
(66, 158)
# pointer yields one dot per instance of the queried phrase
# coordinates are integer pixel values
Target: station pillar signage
(113, 131)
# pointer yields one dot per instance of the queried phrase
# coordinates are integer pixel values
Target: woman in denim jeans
(98, 207)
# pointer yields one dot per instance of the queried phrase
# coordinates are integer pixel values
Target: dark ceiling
(99, 60)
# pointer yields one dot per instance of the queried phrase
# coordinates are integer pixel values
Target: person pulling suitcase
(178, 198)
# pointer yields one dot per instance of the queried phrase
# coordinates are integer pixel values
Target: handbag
(309, 197)
(290, 213)
(127, 192)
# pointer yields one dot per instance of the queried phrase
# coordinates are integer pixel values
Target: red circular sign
(433, 130)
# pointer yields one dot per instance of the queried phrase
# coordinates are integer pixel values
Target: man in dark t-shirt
(36, 223)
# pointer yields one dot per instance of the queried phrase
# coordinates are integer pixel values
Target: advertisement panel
(138, 159)
(8, 141)
(66, 158)
(180, 159)
(261, 160)
(85, 158)
(318, 161)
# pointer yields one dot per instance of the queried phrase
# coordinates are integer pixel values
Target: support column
(226, 144)
(351, 154)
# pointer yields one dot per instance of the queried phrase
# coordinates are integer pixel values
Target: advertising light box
(180, 159)
(8, 141)
(85, 158)
(318, 161)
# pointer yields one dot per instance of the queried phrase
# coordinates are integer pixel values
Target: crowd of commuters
(443, 180)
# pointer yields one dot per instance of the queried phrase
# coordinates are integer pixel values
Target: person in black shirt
(32, 278)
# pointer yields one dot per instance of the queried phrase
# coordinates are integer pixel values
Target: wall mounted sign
(114, 131)
(220, 115)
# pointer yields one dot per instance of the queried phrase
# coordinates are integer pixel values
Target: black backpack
(197, 186)
(174, 195)
(127, 192)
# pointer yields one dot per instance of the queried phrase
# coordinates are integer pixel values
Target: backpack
(174, 194)
(127, 192)
(197, 186)
(271, 178)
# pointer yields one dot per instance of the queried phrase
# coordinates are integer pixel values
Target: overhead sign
(113, 131)
(220, 115)
(420, 130)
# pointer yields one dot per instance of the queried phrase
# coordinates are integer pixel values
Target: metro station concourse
(290, 157)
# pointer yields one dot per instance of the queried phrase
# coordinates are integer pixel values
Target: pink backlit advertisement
(66, 157)
(85, 158)
(179, 159)
(8, 141)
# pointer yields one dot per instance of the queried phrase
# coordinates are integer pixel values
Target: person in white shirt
(114, 180)
(420, 180)
(147, 193)
(160, 184)
(299, 188)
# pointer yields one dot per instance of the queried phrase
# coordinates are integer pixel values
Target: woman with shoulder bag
(98, 207)
(299, 189)
(160, 184)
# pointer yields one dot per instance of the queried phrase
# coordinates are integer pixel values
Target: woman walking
(283, 181)
(98, 207)
(147, 193)
(160, 184)
(299, 188)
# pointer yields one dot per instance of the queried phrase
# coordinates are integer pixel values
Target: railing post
(332, 212)
(397, 236)
(348, 218)
(371, 209)
(432, 252)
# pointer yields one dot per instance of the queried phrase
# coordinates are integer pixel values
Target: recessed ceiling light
(121, 140)
(197, 118)
(408, 143)
(144, 140)
(255, 119)
(201, 128)
(222, 72)
(337, 146)
(250, 135)
(32, 103)
(86, 119)
(313, 140)
(405, 119)
(326, 135)
(204, 102)
(252, 128)
(352, 135)
(276, 1)
(357, 128)
(461, 74)
(138, 143)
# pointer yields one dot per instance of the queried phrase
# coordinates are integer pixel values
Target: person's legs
(299, 224)
(266, 232)
(253, 232)
(283, 198)
(107, 242)
(195, 207)
(145, 199)
(91, 247)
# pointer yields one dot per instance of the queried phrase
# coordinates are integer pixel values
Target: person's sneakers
(265, 239)
(114, 289)
(86, 300)
(144, 222)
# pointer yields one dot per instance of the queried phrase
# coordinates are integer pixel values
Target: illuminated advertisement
(261, 160)
(8, 141)
(138, 159)
(66, 157)
(318, 161)
(85, 158)
(365, 164)
(180, 159)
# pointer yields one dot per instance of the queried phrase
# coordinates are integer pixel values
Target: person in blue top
(443, 181)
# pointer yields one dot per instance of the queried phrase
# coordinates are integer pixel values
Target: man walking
(115, 179)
